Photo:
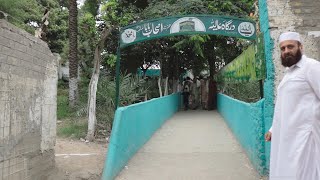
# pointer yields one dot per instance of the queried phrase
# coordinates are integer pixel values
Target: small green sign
(149, 72)
(189, 24)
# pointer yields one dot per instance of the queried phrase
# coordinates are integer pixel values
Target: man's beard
(291, 59)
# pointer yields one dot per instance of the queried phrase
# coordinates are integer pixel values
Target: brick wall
(28, 86)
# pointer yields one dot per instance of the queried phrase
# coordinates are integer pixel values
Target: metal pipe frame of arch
(188, 24)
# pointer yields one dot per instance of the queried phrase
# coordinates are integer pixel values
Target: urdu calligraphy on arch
(195, 24)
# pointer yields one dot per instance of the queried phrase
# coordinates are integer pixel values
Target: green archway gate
(182, 25)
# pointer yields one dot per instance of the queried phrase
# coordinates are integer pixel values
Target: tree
(112, 21)
(25, 14)
(198, 48)
(91, 6)
(174, 52)
(57, 33)
(73, 53)
(94, 84)
(28, 14)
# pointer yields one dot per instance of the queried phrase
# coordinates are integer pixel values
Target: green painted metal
(246, 67)
(118, 78)
(188, 24)
(149, 72)
(269, 82)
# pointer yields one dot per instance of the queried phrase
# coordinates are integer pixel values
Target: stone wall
(302, 16)
(28, 92)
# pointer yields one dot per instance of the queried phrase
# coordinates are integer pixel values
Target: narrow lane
(193, 145)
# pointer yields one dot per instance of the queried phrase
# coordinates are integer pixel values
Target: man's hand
(267, 137)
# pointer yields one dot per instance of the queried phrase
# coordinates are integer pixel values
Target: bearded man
(295, 131)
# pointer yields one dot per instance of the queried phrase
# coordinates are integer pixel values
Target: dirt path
(78, 160)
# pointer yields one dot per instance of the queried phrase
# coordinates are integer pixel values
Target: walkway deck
(193, 145)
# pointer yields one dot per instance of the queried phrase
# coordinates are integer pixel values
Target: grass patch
(63, 108)
(72, 129)
(70, 125)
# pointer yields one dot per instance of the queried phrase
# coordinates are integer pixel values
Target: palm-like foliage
(132, 88)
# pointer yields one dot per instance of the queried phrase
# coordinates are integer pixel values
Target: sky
(80, 2)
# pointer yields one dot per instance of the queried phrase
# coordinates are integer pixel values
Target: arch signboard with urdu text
(193, 24)
(183, 25)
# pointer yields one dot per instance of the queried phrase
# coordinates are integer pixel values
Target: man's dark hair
(299, 44)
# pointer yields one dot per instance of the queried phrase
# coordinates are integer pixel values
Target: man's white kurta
(295, 144)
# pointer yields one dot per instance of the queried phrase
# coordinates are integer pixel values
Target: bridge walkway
(192, 145)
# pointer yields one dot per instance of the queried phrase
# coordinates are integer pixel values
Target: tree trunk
(211, 91)
(146, 97)
(73, 53)
(175, 86)
(159, 86)
(92, 94)
(92, 106)
(166, 87)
